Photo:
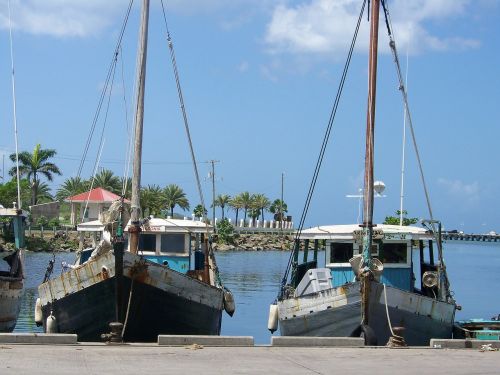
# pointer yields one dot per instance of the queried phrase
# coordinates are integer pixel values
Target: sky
(259, 78)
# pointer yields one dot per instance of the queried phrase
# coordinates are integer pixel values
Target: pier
(452, 236)
(311, 356)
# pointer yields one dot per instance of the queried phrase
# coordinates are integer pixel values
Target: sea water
(254, 278)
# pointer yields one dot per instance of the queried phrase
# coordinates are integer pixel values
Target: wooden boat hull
(423, 318)
(162, 301)
(11, 292)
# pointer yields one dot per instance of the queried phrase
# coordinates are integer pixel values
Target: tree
(107, 180)
(34, 164)
(175, 196)
(395, 220)
(246, 201)
(260, 203)
(152, 200)
(44, 194)
(222, 201)
(200, 211)
(225, 232)
(278, 208)
(70, 187)
(236, 204)
(8, 192)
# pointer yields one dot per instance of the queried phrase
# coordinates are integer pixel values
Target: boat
(12, 271)
(327, 301)
(478, 329)
(146, 277)
(370, 286)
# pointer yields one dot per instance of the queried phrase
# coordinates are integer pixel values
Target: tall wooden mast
(139, 116)
(368, 183)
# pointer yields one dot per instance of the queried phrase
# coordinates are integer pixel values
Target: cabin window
(172, 243)
(147, 242)
(393, 253)
(340, 252)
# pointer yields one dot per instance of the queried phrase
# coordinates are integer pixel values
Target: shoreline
(68, 242)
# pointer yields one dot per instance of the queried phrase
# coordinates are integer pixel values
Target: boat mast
(139, 117)
(368, 181)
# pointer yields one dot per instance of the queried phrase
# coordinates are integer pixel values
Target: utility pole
(212, 176)
(281, 203)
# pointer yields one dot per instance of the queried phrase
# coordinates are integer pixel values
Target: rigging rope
(101, 142)
(188, 134)
(105, 89)
(402, 88)
(323, 146)
(183, 108)
(128, 153)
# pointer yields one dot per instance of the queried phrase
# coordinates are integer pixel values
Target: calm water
(254, 278)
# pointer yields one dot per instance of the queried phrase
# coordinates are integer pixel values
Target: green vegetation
(225, 232)
(394, 220)
(8, 192)
(175, 196)
(279, 209)
(222, 201)
(152, 200)
(200, 211)
(32, 165)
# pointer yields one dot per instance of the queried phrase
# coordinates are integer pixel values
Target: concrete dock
(154, 359)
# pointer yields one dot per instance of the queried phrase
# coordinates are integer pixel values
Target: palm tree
(246, 200)
(236, 204)
(261, 203)
(72, 186)
(222, 201)
(32, 165)
(200, 211)
(152, 200)
(278, 208)
(175, 196)
(107, 180)
(43, 192)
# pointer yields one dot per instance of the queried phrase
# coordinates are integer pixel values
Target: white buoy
(51, 324)
(272, 323)
(38, 312)
(229, 304)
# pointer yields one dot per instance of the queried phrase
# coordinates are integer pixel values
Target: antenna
(19, 203)
(405, 110)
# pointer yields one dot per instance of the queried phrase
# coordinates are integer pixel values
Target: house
(92, 203)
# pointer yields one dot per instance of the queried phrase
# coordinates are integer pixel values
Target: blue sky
(259, 79)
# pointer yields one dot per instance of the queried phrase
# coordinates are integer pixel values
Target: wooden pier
(452, 236)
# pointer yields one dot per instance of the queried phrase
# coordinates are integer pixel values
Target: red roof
(97, 195)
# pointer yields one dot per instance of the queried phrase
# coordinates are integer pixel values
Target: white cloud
(460, 189)
(327, 26)
(62, 18)
(83, 18)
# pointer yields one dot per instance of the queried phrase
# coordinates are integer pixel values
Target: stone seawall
(62, 241)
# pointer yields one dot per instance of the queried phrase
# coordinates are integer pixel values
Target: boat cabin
(169, 242)
(164, 241)
(393, 245)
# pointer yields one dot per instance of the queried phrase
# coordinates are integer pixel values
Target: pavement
(136, 359)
